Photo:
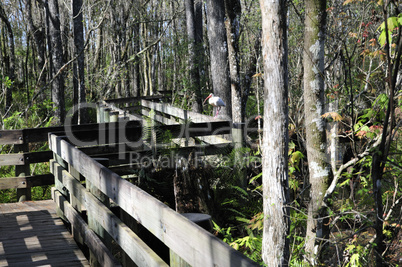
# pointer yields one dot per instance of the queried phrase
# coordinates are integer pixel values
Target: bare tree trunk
(319, 169)
(79, 52)
(38, 32)
(275, 246)
(380, 156)
(192, 61)
(218, 54)
(232, 23)
(136, 68)
(11, 70)
(56, 51)
(247, 80)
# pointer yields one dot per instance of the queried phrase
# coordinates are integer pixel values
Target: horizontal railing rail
(187, 240)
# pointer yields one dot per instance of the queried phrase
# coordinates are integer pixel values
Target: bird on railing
(215, 101)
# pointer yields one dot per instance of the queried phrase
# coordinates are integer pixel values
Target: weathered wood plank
(10, 137)
(12, 159)
(123, 113)
(25, 158)
(186, 115)
(124, 100)
(189, 241)
(138, 251)
(159, 118)
(31, 234)
(27, 181)
(33, 135)
(105, 258)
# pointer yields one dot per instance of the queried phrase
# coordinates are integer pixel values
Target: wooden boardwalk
(31, 234)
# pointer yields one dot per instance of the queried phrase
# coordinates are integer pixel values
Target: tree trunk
(11, 70)
(380, 156)
(199, 44)
(232, 23)
(251, 69)
(218, 54)
(192, 54)
(275, 246)
(79, 53)
(38, 32)
(56, 51)
(136, 65)
(319, 169)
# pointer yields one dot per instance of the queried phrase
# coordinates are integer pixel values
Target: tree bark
(79, 53)
(219, 54)
(319, 169)
(11, 69)
(136, 65)
(56, 51)
(232, 23)
(380, 156)
(192, 54)
(38, 33)
(275, 246)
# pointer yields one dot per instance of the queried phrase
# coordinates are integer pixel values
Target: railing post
(114, 116)
(106, 115)
(92, 222)
(23, 194)
(100, 109)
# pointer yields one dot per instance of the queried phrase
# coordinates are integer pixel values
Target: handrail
(192, 243)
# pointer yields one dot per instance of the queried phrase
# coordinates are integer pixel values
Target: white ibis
(215, 101)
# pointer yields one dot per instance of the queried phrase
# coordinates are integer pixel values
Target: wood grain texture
(27, 181)
(104, 256)
(11, 137)
(31, 234)
(138, 251)
(189, 241)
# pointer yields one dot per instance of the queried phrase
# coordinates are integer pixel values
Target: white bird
(215, 101)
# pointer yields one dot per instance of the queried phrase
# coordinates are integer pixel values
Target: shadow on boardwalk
(31, 234)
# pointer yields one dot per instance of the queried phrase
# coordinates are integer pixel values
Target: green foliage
(39, 114)
(392, 24)
(8, 195)
(6, 81)
(238, 213)
(357, 255)
(298, 223)
(249, 244)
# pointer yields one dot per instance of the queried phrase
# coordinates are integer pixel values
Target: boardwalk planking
(31, 234)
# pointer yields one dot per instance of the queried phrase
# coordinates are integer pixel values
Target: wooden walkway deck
(31, 234)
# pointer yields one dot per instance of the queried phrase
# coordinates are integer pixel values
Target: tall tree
(79, 53)
(389, 127)
(192, 61)
(219, 53)
(56, 51)
(11, 61)
(319, 169)
(37, 30)
(232, 23)
(275, 246)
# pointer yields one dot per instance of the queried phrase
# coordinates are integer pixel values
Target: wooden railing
(190, 242)
(84, 160)
(22, 154)
(22, 157)
(133, 112)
